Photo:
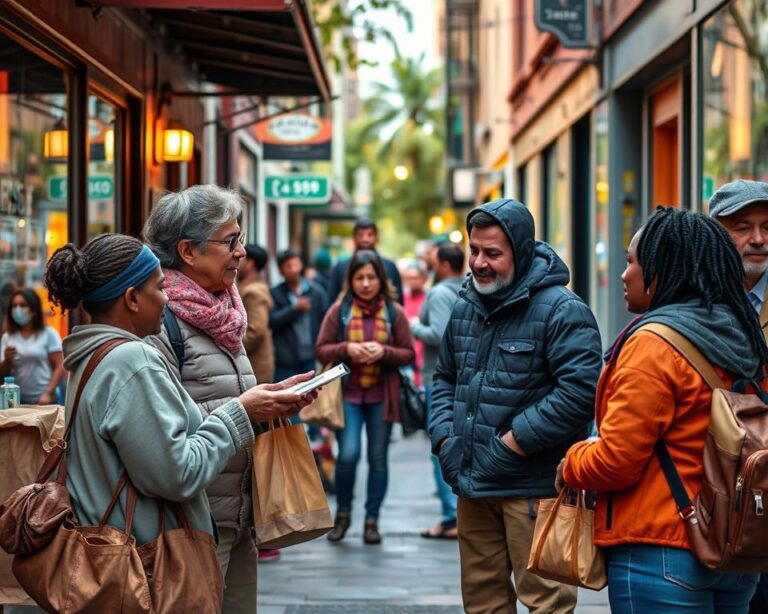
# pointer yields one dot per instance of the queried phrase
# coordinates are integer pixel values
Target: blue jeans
(645, 579)
(350, 443)
(444, 492)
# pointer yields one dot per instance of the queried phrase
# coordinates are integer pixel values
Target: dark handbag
(413, 405)
(31, 516)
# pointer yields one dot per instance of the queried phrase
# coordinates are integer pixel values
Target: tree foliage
(402, 124)
(353, 21)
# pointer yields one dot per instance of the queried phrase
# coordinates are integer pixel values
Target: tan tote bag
(289, 505)
(563, 546)
(328, 408)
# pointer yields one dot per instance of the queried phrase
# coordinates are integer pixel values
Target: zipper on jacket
(609, 513)
(738, 495)
(758, 495)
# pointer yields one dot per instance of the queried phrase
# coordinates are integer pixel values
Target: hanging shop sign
(295, 136)
(300, 189)
(568, 20)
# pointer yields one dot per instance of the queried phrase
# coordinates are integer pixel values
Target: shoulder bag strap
(174, 335)
(688, 350)
(56, 454)
(683, 502)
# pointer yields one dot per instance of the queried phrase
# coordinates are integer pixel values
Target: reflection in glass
(735, 85)
(102, 216)
(33, 187)
(600, 283)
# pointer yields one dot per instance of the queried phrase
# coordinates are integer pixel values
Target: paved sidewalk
(405, 574)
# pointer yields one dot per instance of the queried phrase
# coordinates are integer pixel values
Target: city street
(406, 574)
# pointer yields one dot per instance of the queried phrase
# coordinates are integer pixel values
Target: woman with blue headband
(134, 415)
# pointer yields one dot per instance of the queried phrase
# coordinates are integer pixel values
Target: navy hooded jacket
(529, 365)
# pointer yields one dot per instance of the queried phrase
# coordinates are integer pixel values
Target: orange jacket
(650, 391)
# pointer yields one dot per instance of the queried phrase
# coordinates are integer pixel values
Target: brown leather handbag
(99, 569)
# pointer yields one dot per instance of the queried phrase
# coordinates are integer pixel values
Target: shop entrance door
(666, 107)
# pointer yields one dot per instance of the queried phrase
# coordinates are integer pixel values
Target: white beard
(755, 269)
(497, 284)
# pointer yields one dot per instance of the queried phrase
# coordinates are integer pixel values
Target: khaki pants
(238, 558)
(495, 538)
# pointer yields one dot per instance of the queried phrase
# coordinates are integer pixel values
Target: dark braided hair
(71, 272)
(691, 255)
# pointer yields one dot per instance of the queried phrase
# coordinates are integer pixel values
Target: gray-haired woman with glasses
(196, 235)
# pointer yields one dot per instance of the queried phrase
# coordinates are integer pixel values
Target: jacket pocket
(498, 467)
(450, 460)
(514, 357)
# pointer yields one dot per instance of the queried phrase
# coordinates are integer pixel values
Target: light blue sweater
(135, 416)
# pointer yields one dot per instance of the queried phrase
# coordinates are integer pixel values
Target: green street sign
(298, 188)
(100, 187)
(708, 187)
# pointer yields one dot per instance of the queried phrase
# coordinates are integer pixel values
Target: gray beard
(496, 285)
(755, 269)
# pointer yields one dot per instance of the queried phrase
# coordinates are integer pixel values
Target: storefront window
(558, 202)
(600, 279)
(102, 135)
(735, 95)
(34, 148)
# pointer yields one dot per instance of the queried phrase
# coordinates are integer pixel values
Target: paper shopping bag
(289, 505)
(328, 408)
(563, 546)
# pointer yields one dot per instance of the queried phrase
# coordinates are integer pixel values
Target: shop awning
(256, 46)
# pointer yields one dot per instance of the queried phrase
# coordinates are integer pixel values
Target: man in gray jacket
(514, 388)
(429, 328)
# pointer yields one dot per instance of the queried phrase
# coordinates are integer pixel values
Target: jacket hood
(546, 269)
(716, 333)
(84, 340)
(517, 223)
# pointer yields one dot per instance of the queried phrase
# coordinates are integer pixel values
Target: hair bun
(66, 276)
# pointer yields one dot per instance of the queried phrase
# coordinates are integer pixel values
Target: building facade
(667, 107)
(91, 91)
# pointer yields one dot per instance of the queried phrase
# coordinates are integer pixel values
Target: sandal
(444, 530)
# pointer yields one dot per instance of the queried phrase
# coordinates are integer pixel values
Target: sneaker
(268, 556)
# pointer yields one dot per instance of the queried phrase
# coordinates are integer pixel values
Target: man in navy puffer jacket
(514, 388)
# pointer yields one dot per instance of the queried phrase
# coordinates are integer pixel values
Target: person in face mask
(30, 350)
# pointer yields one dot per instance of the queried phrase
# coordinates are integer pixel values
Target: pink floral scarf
(221, 316)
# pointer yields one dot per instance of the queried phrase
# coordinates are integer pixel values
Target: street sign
(298, 188)
(100, 187)
(568, 20)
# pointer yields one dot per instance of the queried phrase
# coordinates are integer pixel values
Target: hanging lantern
(56, 142)
(178, 143)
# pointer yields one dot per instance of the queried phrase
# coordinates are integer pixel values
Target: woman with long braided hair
(684, 272)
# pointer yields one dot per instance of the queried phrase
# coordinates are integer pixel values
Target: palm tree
(407, 105)
(403, 126)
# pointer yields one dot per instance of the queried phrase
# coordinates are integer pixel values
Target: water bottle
(10, 394)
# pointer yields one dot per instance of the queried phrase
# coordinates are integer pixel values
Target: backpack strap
(689, 351)
(174, 335)
(683, 502)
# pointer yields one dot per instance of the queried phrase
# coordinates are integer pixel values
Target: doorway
(666, 131)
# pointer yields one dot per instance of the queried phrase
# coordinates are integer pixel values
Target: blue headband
(131, 276)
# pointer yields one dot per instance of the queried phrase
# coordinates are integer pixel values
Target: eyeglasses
(230, 243)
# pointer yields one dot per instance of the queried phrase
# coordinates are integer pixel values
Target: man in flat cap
(742, 208)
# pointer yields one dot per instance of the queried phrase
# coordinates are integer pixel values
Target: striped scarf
(367, 376)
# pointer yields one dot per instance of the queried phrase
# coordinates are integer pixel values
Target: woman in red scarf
(368, 330)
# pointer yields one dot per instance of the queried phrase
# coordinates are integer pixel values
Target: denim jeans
(444, 492)
(350, 442)
(644, 579)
